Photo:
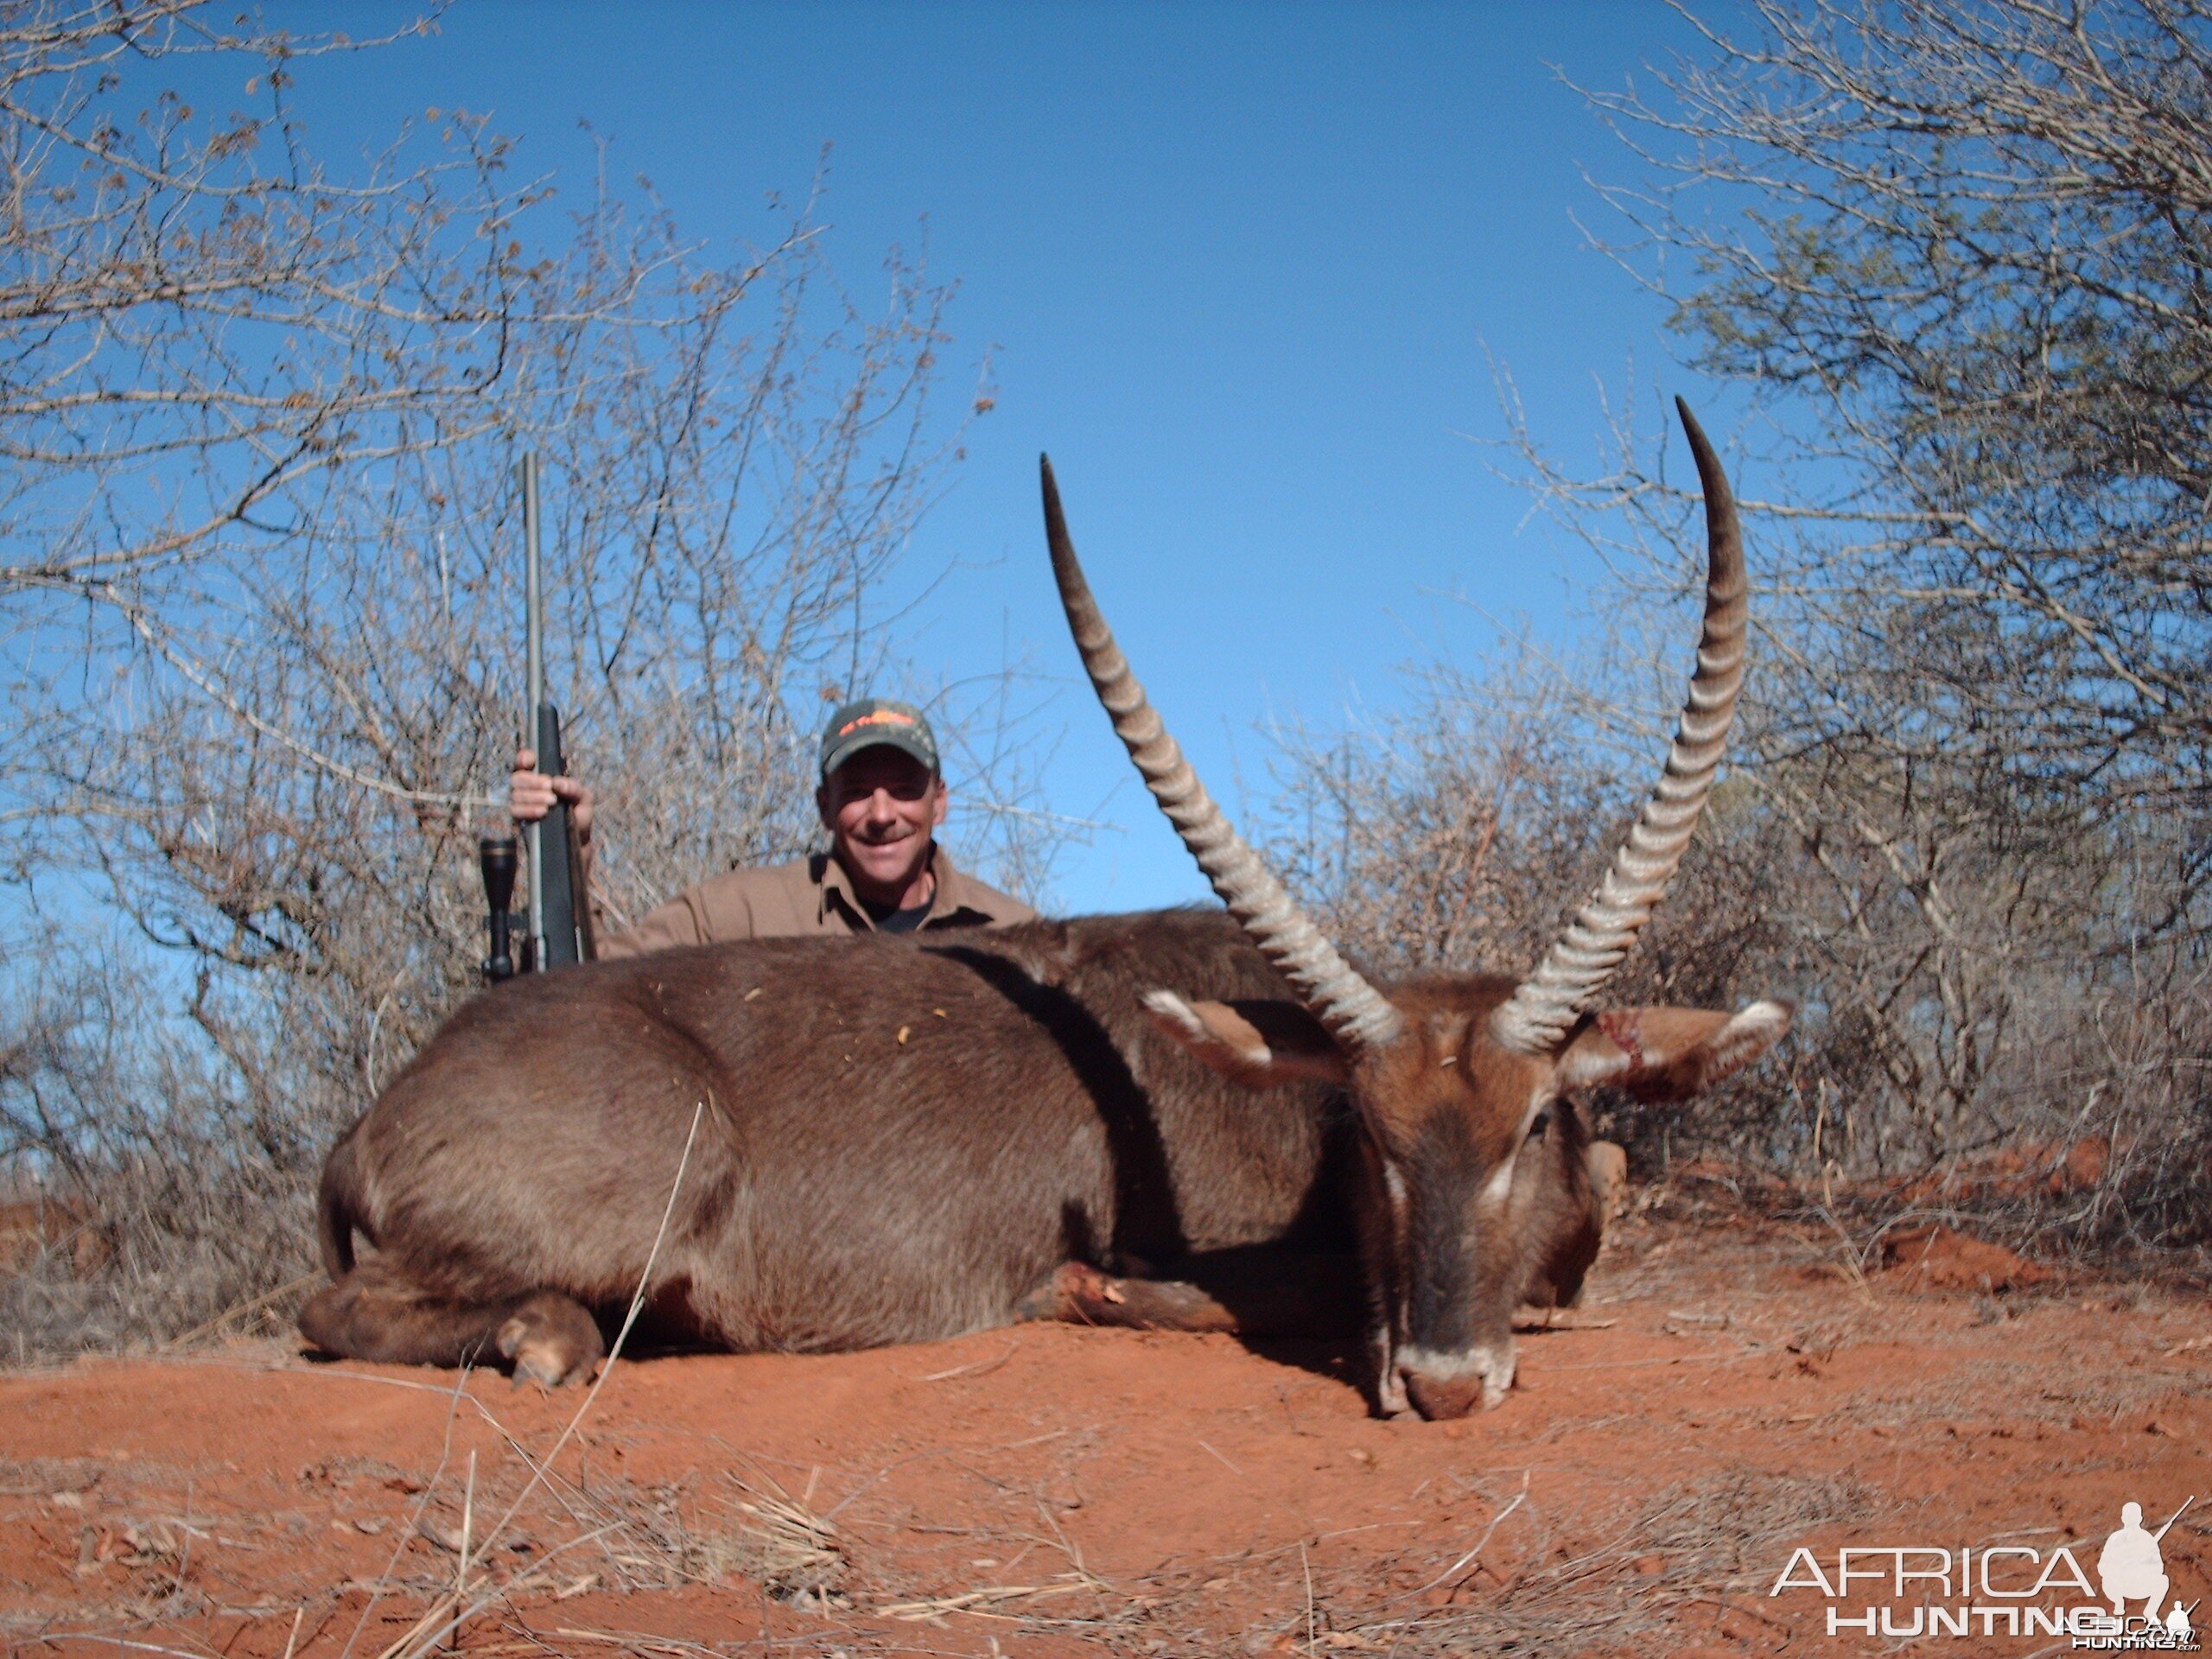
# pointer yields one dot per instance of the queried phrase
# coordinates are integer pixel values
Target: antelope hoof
(1077, 1292)
(552, 1342)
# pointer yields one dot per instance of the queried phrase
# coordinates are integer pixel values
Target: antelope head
(1464, 1083)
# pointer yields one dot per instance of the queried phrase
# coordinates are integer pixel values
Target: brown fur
(899, 1142)
(903, 1141)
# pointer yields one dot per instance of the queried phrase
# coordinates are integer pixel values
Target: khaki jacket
(806, 898)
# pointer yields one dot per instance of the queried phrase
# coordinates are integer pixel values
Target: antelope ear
(1669, 1053)
(1260, 1045)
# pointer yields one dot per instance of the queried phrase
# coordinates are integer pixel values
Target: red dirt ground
(1050, 1491)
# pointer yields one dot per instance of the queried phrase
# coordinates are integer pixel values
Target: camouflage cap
(870, 720)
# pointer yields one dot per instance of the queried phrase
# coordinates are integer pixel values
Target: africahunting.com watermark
(2130, 1605)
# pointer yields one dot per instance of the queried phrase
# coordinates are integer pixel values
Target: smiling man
(882, 798)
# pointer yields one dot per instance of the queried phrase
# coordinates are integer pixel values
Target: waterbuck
(1177, 1118)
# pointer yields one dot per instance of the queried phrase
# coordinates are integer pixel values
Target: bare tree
(1971, 276)
(1957, 258)
(262, 591)
(197, 322)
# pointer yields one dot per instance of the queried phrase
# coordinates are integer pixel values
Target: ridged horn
(1358, 1015)
(1537, 1016)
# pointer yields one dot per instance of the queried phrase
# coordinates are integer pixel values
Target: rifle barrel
(2175, 1517)
(534, 691)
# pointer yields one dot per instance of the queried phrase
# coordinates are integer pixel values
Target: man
(882, 798)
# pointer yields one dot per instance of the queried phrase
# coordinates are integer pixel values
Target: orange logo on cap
(881, 718)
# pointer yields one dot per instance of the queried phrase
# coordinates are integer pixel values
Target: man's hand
(530, 795)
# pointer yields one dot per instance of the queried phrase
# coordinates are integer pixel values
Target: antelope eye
(1543, 1121)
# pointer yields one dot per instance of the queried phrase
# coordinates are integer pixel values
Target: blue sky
(1236, 267)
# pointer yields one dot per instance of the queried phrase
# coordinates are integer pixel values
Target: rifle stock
(563, 914)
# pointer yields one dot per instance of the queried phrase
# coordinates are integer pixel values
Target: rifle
(559, 922)
(2161, 1533)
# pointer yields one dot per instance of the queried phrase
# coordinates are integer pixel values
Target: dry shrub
(1991, 998)
(198, 1200)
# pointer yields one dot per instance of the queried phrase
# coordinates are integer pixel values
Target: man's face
(880, 807)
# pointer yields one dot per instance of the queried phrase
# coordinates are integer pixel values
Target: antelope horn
(1536, 1017)
(1358, 1015)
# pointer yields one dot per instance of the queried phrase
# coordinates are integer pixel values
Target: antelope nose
(1443, 1386)
(1440, 1398)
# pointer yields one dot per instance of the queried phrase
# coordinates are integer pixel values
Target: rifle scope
(495, 856)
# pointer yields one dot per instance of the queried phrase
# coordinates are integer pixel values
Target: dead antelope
(1460, 1083)
(903, 1141)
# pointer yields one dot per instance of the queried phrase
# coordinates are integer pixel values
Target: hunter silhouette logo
(2132, 1567)
(2007, 1590)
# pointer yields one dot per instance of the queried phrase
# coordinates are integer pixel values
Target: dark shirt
(894, 918)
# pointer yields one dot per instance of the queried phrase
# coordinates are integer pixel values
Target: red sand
(1100, 1491)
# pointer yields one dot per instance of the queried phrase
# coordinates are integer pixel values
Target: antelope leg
(1246, 1293)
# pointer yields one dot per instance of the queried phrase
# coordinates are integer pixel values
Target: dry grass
(1639, 1581)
